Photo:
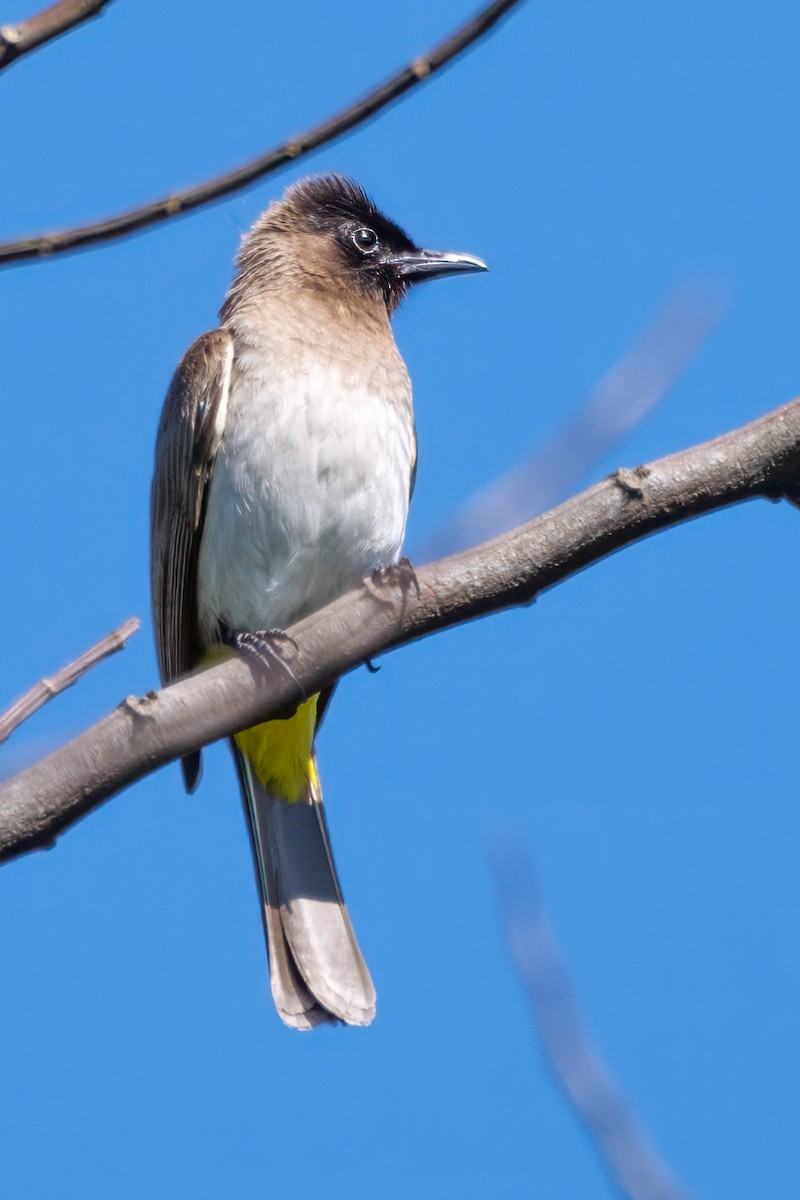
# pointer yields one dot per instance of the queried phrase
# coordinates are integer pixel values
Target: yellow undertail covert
(282, 753)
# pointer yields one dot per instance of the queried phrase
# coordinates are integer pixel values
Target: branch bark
(761, 459)
(177, 203)
(20, 39)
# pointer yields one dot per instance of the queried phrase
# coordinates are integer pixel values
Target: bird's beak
(414, 266)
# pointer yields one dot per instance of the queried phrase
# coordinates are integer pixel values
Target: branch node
(139, 707)
(421, 68)
(631, 482)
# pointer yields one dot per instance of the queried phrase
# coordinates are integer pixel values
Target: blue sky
(638, 724)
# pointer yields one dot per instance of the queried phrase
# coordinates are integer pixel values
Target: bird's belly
(308, 495)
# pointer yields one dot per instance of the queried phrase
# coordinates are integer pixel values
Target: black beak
(414, 266)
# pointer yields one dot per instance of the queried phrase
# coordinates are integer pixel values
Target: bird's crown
(328, 201)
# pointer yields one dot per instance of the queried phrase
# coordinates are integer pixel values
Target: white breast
(310, 489)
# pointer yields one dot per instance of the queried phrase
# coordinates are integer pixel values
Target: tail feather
(317, 972)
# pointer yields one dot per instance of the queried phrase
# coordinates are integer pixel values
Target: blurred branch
(759, 460)
(622, 398)
(416, 72)
(46, 689)
(18, 40)
(623, 1146)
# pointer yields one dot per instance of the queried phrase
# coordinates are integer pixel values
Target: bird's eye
(365, 239)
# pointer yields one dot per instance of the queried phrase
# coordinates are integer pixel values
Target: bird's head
(327, 232)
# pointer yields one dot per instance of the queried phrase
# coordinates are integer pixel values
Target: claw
(263, 649)
(261, 644)
(400, 574)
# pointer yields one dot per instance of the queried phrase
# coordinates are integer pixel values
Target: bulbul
(284, 465)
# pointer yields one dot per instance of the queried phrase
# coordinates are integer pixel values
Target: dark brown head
(327, 232)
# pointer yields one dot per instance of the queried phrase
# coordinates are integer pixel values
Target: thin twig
(291, 151)
(46, 689)
(18, 40)
(759, 460)
(622, 1144)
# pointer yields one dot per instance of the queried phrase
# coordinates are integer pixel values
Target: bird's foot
(400, 574)
(262, 647)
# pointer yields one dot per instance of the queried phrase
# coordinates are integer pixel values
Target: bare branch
(46, 689)
(589, 1088)
(760, 459)
(622, 398)
(18, 40)
(416, 72)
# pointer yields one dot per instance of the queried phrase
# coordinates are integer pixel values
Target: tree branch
(760, 459)
(18, 40)
(623, 1145)
(47, 689)
(291, 151)
(625, 394)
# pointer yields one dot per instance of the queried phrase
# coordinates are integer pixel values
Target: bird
(285, 459)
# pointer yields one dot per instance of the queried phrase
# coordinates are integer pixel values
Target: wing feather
(189, 436)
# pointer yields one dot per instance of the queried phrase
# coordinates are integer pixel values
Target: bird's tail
(316, 969)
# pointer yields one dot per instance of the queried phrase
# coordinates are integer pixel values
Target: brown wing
(189, 435)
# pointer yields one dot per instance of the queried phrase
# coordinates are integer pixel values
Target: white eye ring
(365, 239)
